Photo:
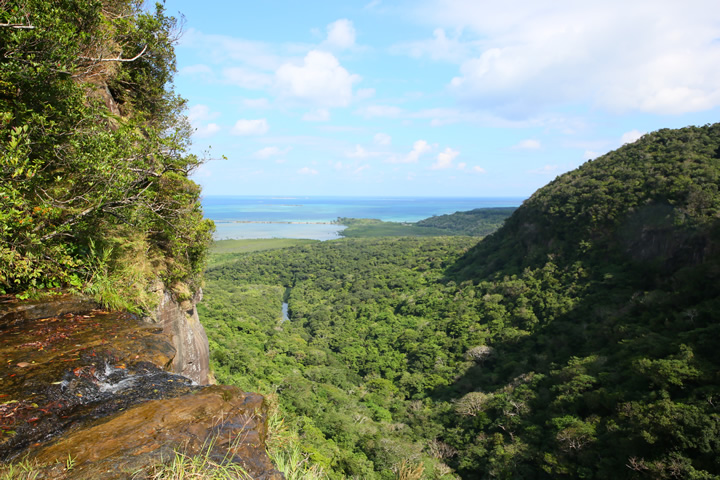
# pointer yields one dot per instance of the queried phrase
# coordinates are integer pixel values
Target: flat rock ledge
(222, 422)
(97, 387)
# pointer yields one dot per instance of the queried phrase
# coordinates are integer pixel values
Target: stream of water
(285, 316)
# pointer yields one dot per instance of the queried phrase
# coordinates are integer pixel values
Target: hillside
(580, 340)
(477, 222)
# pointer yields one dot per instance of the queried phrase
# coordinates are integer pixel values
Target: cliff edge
(100, 388)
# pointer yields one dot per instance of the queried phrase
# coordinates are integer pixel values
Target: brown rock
(180, 321)
(230, 422)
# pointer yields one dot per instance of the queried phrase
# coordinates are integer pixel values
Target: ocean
(246, 217)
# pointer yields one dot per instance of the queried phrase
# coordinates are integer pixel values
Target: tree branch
(17, 26)
(118, 59)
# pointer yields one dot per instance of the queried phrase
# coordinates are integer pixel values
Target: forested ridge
(94, 187)
(578, 341)
(477, 222)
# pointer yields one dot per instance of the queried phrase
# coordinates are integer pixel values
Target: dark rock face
(94, 385)
(180, 321)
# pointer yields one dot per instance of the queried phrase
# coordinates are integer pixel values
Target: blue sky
(435, 98)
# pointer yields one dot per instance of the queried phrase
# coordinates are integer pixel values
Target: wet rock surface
(222, 422)
(93, 385)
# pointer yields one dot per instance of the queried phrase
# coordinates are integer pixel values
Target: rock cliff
(179, 320)
(98, 387)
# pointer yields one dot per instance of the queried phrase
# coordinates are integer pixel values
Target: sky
(467, 98)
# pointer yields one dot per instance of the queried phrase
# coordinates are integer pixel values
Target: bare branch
(17, 26)
(118, 59)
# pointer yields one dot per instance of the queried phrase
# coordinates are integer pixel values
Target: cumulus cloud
(419, 148)
(477, 169)
(382, 139)
(341, 34)
(319, 80)
(658, 57)
(631, 136)
(528, 144)
(250, 127)
(307, 171)
(445, 159)
(319, 115)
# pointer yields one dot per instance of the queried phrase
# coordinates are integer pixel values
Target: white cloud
(222, 48)
(268, 152)
(307, 171)
(440, 47)
(250, 127)
(445, 159)
(341, 34)
(419, 148)
(590, 154)
(320, 80)
(198, 116)
(651, 56)
(528, 144)
(204, 131)
(477, 169)
(630, 137)
(200, 113)
(382, 139)
(462, 165)
(319, 115)
(360, 152)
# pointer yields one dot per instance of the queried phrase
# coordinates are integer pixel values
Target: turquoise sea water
(310, 217)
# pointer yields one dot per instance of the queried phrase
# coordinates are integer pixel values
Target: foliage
(93, 147)
(478, 222)
(254, 245)
(580, 340)
(369, 227)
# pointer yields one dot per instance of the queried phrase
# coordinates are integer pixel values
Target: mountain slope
(650, 200)
(610, 275)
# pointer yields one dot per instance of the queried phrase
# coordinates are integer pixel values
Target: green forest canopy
(94, 188)
(580, 340)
